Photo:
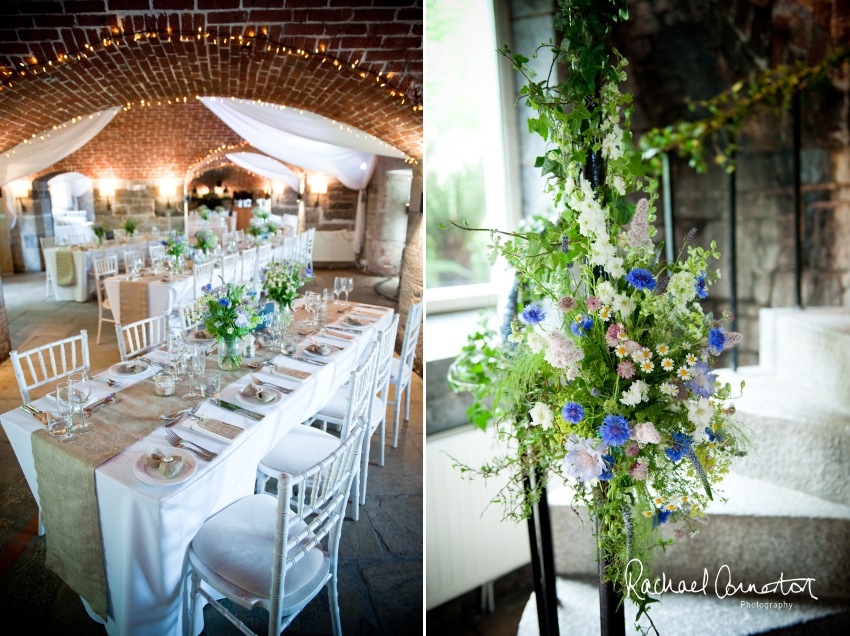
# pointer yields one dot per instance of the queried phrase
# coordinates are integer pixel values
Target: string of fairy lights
(252, 40)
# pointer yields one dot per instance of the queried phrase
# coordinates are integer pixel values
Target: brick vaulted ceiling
(367, 72)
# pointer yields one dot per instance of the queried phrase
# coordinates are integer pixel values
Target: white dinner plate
(250, 400)
(194, 336)
(115, 369)
(365, 323)
(334, 352)
(153, 477)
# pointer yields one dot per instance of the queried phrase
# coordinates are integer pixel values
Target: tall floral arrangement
(203, 212)
(130, 226)
(228, 314)
(100, 231)
(282, 280)
(175, 245)
(205, 240)
(606, 375)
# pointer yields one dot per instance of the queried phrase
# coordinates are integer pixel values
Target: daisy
(658, 501)
(605, 313)
(684, 373)
(662, 349)
(669, 389)
(646, 366)
(667, 364)
(684, 499)
(644, 354)
(686, 346)
(691, 359)
(621, 351)
(648, 513)
(671, 507)
(622, 337)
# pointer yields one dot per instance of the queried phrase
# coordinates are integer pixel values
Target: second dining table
(146, 530)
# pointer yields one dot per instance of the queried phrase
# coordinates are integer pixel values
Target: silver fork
(257, 380)
(178, 442)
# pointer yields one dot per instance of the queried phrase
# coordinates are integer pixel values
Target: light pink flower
(646, 433)
(638, 234)
(567, 303)
(562, 352)
(593, 303)
(639, 471)
(626, 369)
(632, 347)
(632, 449)
(612, 333)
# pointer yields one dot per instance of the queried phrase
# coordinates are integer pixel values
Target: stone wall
(5, 339)
(387, 222)
(35, 222)
(412, 272)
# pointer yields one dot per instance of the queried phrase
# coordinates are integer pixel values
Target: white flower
(541, 415)
(684, 373)
(646, 366)
(700, 412)
(667, 364)
(623, 305)
(536, 342)
(669, 389)
(562, 352)
(605, 292)
(635, 394)
(646, 433)
(621, 351)
(611, 145)
(614, 267)
(662, 349)
(605, 313)
(619, 184)
(682, 287)
(601, 252)
(515, 337)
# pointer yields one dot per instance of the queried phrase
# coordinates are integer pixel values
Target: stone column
(412, 267)
(387, 219)
(35, 223)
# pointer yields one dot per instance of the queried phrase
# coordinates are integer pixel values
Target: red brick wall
(150, 143)
(366, 33)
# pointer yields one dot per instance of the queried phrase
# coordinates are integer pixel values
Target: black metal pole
(611, 618)
(733, 265)
(798, 213)
(543, 563)
(667, 193)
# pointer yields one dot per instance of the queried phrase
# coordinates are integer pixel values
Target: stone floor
(380, 555)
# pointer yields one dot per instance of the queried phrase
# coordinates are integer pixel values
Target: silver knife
(237, 409)
(153, 362)
(300, 359)
(354, 331)
(282, 389)
(26, 408)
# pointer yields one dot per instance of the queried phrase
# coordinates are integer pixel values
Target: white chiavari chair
(290, 248)
(402, 367)
(264, 255)
(50, 362)
(103, 268)
(283, 566)
(378, 410)
(142, 336)
(157, 252)
(240, 237)
(249, 265)
(311, 238)
(119, 234)
(203, 275)
(132, 256)
(191, 317)
(348, 406)
(230, 268)
(47, 242)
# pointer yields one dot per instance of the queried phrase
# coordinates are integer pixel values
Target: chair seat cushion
(238, 545)
(335, 408)
(298, 450)
(394, 369)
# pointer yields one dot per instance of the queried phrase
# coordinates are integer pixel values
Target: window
(465, 177)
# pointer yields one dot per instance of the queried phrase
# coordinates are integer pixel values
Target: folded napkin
(215, 429)
(256, 391)
(132, 367)
(357, 322)
(64, 268)
(292, 373)
(369, 312)
(338, 334)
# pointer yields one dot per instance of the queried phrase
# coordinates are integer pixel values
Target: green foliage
(717, 132)
(130, 226)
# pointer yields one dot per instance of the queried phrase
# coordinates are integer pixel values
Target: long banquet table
(146, 530)
(163, 297)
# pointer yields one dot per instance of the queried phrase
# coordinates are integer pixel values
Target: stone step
(801, 436)
(683, 614)
(761, 532)
(810, 348)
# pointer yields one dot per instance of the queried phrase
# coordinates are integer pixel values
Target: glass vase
(230, 354)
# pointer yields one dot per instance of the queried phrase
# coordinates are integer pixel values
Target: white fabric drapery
(46, 148)
(51, 146)
(353, 168)
(265, 167)
(302, 123)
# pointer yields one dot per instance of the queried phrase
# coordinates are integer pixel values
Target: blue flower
(608, 473)
(713, 435)
(573, 412)
(681, 446)
(178, 238)
(581, 325)
(241, 320)
(702, 380)
(308, 271)
(661, 517)
(716, 340)
(165, 242)
(641, 278)
(615, 430)
(252, 293)
(533, 314)
(224, 302)
(702, 287)
(207, 288)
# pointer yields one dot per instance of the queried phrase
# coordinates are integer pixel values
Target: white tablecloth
(162, 297)
(146, 530)
(83, 285)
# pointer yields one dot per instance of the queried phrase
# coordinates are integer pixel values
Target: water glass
(196, 362)
(290, 342)
(348, 286)
(211, 383)
(82, 386)
(59, 417)
(337, 289)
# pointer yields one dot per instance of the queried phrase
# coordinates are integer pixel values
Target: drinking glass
(321, 314)
(310, 301)
(337, 289)
(76, 416)
(348, 286)
(326, 296)
(82, 386)
(59, 419)
(211, 382)
(290, 342)
(195, 365)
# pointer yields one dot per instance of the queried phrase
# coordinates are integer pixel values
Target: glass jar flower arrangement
(175, 247)
(258, 228)
(205, 241)
(203, 212)
(282, 280)
(229, 316)
(100, 231)
(130, 226)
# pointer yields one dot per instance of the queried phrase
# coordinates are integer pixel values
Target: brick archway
(367, 73)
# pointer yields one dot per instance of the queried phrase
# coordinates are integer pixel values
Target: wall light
(167, 189)
(107, 187)
(278, 187)
(318, 185)
(203, 190)
(21, 188)
(219, 191)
